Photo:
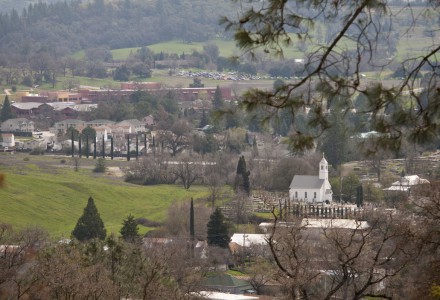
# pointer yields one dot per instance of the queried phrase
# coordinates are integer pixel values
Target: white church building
(312, 189)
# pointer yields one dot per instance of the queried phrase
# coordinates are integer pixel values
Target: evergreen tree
(242, 177)
(204, 120)
(129, 230)
(218, 230)
(335, 141)
(100, 166)
(6, 112)
(246, 182)
(217, 102)
(191, 220)
(241, 166)
(89, 225)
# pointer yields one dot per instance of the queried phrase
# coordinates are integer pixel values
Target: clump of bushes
(148, 223)
(100, 166)
(37, 151)
(26, 159)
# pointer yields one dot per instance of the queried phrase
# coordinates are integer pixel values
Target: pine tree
(89, 225)
(6, 112)
(218, 230)
(217, 102)
(129, 230)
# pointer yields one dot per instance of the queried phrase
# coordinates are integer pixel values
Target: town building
(312, 189)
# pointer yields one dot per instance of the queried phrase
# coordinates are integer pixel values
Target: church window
(322, 167)
(314, 195)
(296, 194)
(305, 195)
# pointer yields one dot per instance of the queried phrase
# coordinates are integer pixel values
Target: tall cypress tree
(111, 148)
(218, 230)
(204, 120)
(217, 101)
(6, 112)
(103, 147)
(191, 220)
(94, 148)
(89, 225)
(73, 143)
(79, 146)
(242, 177)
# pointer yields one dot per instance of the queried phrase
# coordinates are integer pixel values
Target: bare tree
(17, 251)
(261, 272)
(352, 262)
(215, 187)
(76, 162)
(151, 170)
(177, 138)
(188, 170)
(177, 221)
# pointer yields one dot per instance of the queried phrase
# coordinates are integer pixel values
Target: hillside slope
(45, 193)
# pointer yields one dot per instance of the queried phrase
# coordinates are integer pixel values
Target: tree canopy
(331, 74)
(129, 230)
(89, 225)
(6, 112)
(218, 230)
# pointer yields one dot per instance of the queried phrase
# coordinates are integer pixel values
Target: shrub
(148, 223)
(100, 166)
(63, 161)
(26, 159)
(37, 151)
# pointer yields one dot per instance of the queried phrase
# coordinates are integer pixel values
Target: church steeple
(323, 168)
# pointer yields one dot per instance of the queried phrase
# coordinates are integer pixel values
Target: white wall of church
(313, 195)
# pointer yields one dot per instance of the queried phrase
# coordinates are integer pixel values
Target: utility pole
(242, 250)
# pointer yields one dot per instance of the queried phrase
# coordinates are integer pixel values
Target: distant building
(8, 140)
(312, 189)
(140, 85)
(17, 125)
(405, 183)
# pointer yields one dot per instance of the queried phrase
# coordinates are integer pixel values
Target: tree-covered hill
(62, 27)
(7, 6)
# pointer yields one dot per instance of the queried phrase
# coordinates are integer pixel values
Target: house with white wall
(8, 140)
(17, 125)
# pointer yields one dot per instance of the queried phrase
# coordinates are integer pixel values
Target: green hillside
(43, 192)
(226, 48)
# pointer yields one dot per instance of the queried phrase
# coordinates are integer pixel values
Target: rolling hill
(46, 193)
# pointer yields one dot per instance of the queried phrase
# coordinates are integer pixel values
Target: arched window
(305, 195)
(314, 195)
(296, 195)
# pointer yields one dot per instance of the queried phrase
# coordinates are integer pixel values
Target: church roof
(306, 182)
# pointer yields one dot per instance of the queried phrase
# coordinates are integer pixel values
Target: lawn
(45, 193)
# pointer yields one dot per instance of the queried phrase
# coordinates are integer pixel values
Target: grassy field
(227, 48)
(46, 193)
